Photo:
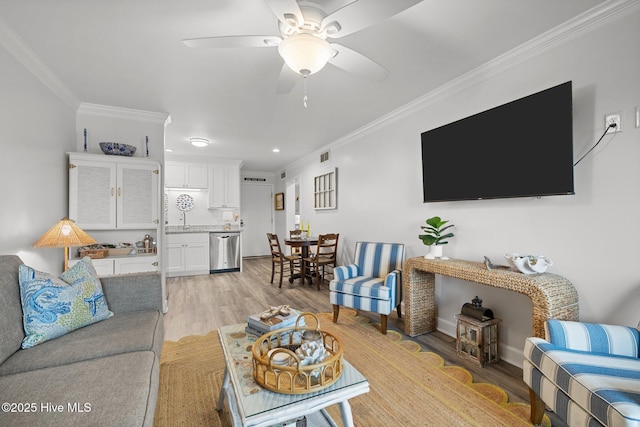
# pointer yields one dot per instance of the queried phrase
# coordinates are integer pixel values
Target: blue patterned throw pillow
(53, 306)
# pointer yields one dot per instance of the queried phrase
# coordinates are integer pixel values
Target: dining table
(304, 244)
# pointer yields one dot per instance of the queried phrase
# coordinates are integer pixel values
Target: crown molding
(12, 42)
(122, 113)
(578, 26)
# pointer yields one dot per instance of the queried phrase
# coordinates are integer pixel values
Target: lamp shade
(64, 234)
(304, 53)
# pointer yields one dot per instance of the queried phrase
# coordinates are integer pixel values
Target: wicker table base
(552, 296)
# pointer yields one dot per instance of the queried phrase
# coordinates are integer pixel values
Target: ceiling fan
(304, 32)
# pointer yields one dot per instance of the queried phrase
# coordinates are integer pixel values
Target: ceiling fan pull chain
(304, 100)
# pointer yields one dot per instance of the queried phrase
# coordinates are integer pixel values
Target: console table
(552, 296)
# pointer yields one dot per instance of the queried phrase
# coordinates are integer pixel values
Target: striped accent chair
(371, 283)
(588, 374)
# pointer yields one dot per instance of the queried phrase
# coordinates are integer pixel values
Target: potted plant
(435, 236)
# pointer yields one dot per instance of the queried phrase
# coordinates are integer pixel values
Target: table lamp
(64, 235)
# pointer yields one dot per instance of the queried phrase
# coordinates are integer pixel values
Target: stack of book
(257, 326)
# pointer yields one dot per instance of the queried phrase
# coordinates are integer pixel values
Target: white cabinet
(104, 267)
(135, 264)
(123, 265)
(224, 186)
(107, 193)
(187, 254)
(186, 175)
(116, 199)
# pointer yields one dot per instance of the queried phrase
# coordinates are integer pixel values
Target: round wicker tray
(277, 367)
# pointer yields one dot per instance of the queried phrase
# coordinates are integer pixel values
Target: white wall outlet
(613, 118)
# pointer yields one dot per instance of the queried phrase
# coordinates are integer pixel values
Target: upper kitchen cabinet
(224, 186)
(186, 175)
(107, 192)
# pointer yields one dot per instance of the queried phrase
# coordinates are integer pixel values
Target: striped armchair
(371, 283)
(588, 374)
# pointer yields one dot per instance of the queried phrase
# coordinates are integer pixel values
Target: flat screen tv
(520, 149)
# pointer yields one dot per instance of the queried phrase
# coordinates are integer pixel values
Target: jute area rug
(409, 387)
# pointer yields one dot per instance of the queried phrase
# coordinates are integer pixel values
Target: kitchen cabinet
(186, 175)
(104, 266)
(107, 193)
(224, 186)
(123, 265)
(187, 254)
(135, 264)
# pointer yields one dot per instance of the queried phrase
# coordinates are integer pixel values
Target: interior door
(257, 217)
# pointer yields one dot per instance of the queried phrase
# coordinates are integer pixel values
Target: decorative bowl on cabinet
(116, 149)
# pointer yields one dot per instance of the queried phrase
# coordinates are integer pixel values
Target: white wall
(591, 237)
(121, 125)
(36, 130)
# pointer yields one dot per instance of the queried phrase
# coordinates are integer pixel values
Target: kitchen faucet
(184, 219)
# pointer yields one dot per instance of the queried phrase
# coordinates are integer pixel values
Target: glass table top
(253, 399)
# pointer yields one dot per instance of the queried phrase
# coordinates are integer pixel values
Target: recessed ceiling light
(168, 150)
(199, 142)
(276, 150)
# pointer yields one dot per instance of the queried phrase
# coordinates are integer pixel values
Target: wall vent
(324, 157)
(246, 178)
(283, 174)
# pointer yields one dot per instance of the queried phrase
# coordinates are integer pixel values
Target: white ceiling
(128, 53)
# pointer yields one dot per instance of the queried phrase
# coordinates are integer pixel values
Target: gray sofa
(104, 374)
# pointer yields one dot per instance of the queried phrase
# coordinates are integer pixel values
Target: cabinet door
(232, 176)
(224, 187)
(175, 258)
(137, 196)
(174, 174)
(136, 264)
(92, 194)
(103, 266)
(186, 175)
(197, 175)
(216, 187)
(197, 253)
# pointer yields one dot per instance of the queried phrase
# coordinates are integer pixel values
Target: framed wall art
(324, 190)
(279, 201)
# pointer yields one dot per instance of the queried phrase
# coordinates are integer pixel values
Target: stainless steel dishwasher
(224, 251)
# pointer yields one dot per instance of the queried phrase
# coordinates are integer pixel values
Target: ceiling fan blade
(287, 80)
(361, 14)
(286, 11)
(356, 63)
(234, 41)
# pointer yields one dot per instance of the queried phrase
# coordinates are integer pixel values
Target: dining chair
(295, 250)
(372, 283)
(279, 261)
(325, 256)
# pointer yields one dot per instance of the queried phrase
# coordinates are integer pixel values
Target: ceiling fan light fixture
(332, 28)
(272, 41)
(199, 142)
(305, 53)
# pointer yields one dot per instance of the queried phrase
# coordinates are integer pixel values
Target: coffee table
(251, 405)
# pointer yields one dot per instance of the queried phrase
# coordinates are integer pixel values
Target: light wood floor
(199, 304)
